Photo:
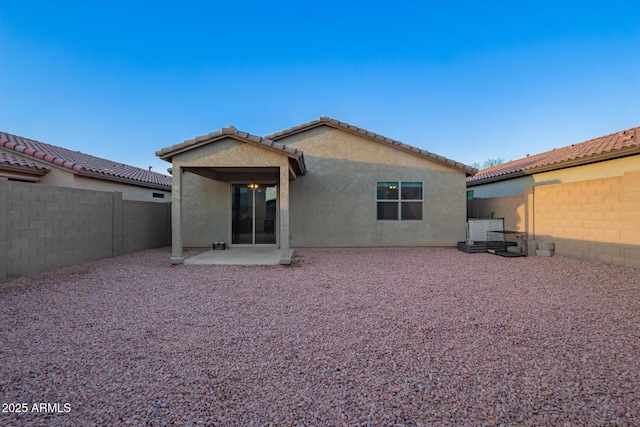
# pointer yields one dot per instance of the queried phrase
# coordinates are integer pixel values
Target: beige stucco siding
(205, 211)
(206, 203)
(334, 204)
(129, 192)
(511, 187)
(229, 152)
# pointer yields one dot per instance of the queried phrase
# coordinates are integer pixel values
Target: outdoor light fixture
(254, 186)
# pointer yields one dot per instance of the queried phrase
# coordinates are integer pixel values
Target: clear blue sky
(469, 80)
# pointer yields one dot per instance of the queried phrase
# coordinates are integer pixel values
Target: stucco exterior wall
(129, 192)
(510, 187)
(206, 203)
(58, 177)
(334, 204)
(206, 210)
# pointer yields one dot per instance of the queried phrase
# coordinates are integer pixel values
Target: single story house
(321, 184)
(28, 160)
(585, 197)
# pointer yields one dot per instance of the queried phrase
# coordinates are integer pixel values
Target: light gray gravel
(344, 337)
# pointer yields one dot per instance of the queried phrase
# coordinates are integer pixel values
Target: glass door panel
(241, 214)
(265, 224)
(253, 211)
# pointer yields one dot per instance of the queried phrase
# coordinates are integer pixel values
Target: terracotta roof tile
(84, 164)
(610, 146)
(327, 121)
(11, 160)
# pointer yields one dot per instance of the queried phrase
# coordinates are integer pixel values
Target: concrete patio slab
(239, 256)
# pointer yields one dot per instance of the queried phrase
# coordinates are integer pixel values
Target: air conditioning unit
(479, 229)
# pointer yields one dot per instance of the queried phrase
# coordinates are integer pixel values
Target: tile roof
(296, 155)
(615, 145)
(84, 164)
(327, 121)
(8, 160)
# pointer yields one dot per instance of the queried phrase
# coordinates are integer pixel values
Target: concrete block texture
(45, 227)
(546, 245)
(544, 252)
(4, 216)
(590, 219)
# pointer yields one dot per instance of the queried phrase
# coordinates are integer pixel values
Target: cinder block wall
(145, 225)
(595, 220)
(46, 227)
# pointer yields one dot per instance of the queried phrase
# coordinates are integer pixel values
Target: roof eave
(106, 177)
(168, 153)
(299, 164)
(610, 155)
(504, 177)
(24, 169)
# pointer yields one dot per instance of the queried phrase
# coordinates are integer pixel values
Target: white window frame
(399, 201)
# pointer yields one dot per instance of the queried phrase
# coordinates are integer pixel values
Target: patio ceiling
(257, 174)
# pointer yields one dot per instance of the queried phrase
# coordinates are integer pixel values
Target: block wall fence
(595, 219)
(46, 227)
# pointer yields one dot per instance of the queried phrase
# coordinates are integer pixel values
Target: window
(399, 201)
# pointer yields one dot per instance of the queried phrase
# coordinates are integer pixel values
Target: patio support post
(176, 216)
(285, 257)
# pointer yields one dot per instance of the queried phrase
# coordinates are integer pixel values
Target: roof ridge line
(374, 136)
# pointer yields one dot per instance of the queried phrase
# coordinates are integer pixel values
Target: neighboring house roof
(11, 162)
(615, 145)
(18, 168)
(84, 164)
(296, 156)
(327, 121)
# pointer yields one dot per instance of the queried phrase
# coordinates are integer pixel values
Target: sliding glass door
(253, 213)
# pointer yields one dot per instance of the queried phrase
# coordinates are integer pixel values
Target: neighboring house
(585, 197)
(321, 184)
(24, 159)
(603, 157)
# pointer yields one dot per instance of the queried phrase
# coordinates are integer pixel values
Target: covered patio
(233, 187)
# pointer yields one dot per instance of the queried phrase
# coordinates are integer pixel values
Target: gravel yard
(380, 337)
